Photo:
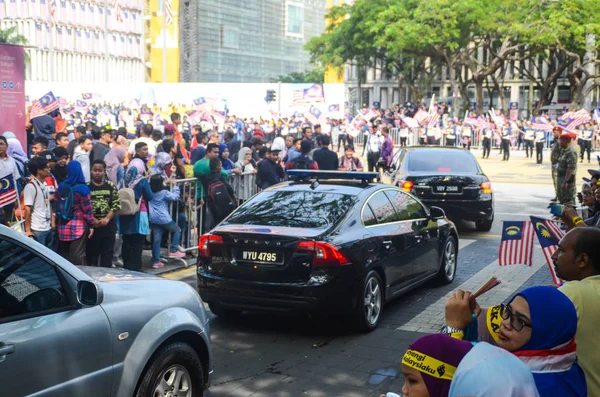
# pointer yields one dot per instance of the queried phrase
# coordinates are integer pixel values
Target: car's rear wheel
(175, 370)
(370, 303)
(447, 270)
(220, 311)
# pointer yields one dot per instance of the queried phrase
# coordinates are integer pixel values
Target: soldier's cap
(594, 173)
(557, 128)
(568, 135)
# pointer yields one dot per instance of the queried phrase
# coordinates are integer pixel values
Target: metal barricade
(244, 186)
(187, 214)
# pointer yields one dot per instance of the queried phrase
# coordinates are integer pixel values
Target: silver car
(69, 331)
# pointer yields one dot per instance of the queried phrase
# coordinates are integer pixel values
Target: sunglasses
(515, 322)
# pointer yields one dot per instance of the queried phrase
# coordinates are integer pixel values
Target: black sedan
(449, 178)
(325, 243)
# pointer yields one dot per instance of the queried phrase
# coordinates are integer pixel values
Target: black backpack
(220, 200)
(301, 163)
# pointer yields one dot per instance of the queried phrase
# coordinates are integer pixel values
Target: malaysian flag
(333, 108)
(81, 106)
(516, 246)
(274, 114)
(314, 115)
(420, 115)
(168, 12)
(570, 120)
(62, 102)
(202, 103)
(514, 111)
(118, 13)
(471, 118)
(497, 118)
(314, 93)
(218, 116)
(549, 234)
(597, 115)
(540, 123)
(432, 119)
(8, 190)
(369, 114)
(410, 122)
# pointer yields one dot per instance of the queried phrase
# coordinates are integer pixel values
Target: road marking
(179, 274)
(484, 235)
(431, 319)
(463, 243)
(518, 214)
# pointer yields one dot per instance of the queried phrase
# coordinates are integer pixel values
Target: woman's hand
(458, 309)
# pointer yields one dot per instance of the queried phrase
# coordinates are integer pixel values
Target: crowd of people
(542, 342)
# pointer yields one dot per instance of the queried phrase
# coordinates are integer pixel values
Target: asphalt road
(264, 355)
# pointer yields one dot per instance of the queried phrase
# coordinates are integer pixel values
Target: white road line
(465, 243)
(547, 214)
(431, 319)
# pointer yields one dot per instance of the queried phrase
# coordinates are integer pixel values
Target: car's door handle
(6, 349)
(418, 238)
(387, 243)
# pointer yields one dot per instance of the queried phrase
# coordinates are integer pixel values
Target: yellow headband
(428, 365)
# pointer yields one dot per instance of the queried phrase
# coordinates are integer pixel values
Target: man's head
(201, 138)
(49, 156)
(256, 143)
(556, 132)
(62, 139)
(98, 171)
(169, 131)
(141, 150)
(256, 126)
(79, 131)
(170, 147)
(262, 153)
(349, 151)
(157, 135)
(307, 132)
(578, 254)
(212, 151)
(228, 135)
(96, 133)
(318, 129)
(38, 166)
(273, 155)
(325, 140)
(289, 141)
(176, 118)
(215, 164)
(39, 144)
(385, 131)
(106, 136)
(62, 156)
(3, 145)
(297, 143)
(565, 140)
(85, 143)
(305, 146)
(147, 130)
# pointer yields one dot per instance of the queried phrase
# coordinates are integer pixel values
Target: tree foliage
(12, 36)
(408, 38)
(316, 75)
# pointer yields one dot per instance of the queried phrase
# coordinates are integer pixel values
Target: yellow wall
(156, 48)
(333, 75)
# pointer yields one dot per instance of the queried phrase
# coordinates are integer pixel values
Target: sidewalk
(171, 264)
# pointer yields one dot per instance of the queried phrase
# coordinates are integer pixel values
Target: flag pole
(164, 52)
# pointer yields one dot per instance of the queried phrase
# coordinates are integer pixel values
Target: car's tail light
(485, 192)
(325, 255)
(407, 186)
(206, 240)
(486, 188)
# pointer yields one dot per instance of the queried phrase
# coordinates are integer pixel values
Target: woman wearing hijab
(135, 228)
(115, 160)
(162, 161)
(248, 177)
(15, 150)
(226, 163)
(74, 233)
(489, 371)
(538, 326)
(430, 363)
(59, 170)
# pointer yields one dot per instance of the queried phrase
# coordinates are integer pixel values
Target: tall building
(79, 40)
(162, 41)
(247, 40)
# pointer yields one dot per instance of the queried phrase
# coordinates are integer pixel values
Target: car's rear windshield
(302, 209)
(442, 161)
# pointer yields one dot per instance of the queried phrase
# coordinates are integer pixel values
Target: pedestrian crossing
(431, 319)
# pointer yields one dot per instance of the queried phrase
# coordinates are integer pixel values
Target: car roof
(420, 148)
(349, 187)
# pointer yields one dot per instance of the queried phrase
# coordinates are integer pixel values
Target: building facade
(79, 41)
(247, 40)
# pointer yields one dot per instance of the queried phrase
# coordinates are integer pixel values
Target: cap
(567, 135)
(48, 155)
(60, 151)
(557, 128)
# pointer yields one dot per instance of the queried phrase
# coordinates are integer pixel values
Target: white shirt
(152, 144)
(35, 194)
(7, 167)
(83, 158)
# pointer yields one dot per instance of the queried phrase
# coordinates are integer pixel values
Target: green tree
(11, 36)
(316, 75)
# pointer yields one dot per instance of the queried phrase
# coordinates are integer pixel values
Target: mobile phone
(556, 209)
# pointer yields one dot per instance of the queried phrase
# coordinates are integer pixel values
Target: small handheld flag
(516, 246)
(548, 234)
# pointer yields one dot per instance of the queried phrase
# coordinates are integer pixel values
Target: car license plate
(260, 257)
(447, 189)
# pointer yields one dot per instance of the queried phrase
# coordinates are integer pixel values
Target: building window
(295, 20)
(231, 37)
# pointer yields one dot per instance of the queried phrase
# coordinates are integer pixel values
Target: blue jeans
(157, 233)
(44, 238)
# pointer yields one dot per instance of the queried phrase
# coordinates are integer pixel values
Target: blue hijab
(75, 179)
(550, 353)
(226, 163)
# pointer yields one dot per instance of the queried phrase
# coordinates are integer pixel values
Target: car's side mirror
(89, 294)
(436, 213)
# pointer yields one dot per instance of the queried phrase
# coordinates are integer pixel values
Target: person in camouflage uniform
(554, 156)
(566, 169)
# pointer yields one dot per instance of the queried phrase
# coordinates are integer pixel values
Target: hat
(256, 140)
(48, 155)
(557, 128)
(567, 135)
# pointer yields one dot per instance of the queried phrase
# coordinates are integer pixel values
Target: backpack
(65, 204)
(221, 201)
(129, 206)
(301, 163)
